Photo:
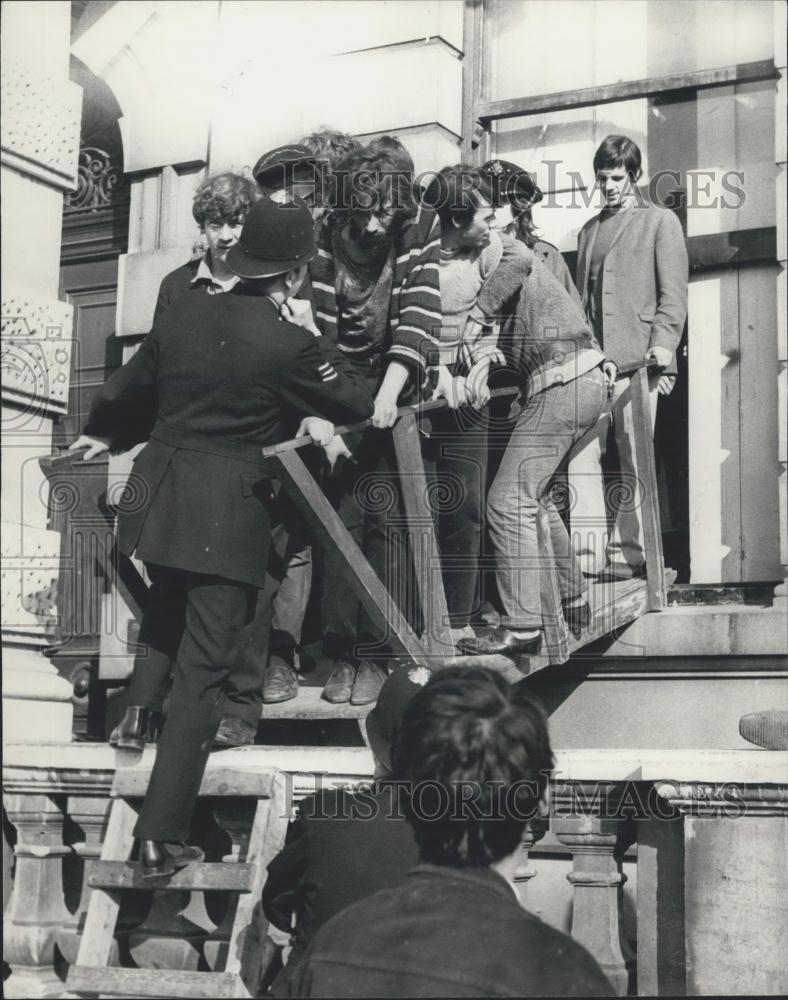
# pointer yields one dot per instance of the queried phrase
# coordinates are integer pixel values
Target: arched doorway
(95, 233)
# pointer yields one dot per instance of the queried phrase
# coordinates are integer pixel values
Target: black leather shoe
(234, 732)
(138, 726)
(339, 685)
(577, 617)
(160, 858)
(500, 640)
(280, 682)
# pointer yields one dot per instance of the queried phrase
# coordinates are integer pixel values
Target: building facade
(202, 87)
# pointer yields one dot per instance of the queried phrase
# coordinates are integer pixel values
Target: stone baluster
(597, 882)
(36, 913)
(525, 870)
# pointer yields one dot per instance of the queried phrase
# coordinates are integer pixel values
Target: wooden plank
(556, 634)
(565, 100)
(122, 574)
(132, 782)
(729, 502)
(424, 545)
(326, 525)
(643, 448)
(202, 877)
(473, 76)
(102, 913)
(155, 983)
(759, 418)
(246, 947)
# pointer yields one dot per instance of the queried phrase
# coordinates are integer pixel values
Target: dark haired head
(618, 151)
(456, 193)
(390, 144)
(224, 197)
(514, 186)
(329, 145)
(375, 178)
(475, 754)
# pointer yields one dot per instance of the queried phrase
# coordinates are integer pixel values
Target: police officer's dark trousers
(218, 613)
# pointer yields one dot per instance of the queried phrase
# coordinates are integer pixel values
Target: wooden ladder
(114, 874)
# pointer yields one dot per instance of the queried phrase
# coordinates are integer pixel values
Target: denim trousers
(549, 423)
(455, 461)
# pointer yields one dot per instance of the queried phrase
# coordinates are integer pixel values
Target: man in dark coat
(475, 756)
(344, 845)
(224, 376)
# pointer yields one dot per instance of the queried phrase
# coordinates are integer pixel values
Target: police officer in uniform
(223, 377)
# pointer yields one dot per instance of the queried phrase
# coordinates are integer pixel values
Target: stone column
(36, 911)
(597, 880)
(736, 886)
(39, 149)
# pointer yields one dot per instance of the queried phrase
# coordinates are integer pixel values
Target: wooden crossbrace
(327, 526)
(649, 498)
(243, 953)
(434, 647)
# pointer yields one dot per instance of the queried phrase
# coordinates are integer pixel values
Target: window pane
(691, 143)
(545, 46)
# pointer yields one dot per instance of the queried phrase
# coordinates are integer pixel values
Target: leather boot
(160, 858)
(140, 725)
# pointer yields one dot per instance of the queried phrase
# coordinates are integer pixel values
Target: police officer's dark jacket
(219, 378)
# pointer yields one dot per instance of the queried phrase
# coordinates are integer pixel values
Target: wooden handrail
(418, 409)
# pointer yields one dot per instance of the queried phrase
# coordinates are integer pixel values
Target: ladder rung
(154, 983)
(205, 876)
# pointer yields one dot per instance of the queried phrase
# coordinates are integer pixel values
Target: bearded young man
(376, 292)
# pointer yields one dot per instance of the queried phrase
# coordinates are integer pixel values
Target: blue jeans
(547, 427)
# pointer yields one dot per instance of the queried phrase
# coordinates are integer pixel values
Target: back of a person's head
(475, 755)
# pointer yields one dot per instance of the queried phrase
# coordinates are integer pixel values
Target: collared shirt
(215, 285)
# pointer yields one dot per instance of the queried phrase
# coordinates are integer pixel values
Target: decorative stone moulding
(36, 344)
(40, 125)
(30, 565)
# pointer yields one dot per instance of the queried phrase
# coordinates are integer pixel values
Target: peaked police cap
(276, 237)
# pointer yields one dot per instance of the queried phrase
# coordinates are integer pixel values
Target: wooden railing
(612, 606)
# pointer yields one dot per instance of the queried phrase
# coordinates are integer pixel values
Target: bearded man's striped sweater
(413, 335)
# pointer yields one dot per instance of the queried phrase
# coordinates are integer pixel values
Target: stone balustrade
(667, 865)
